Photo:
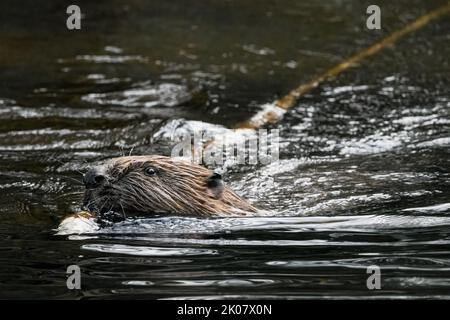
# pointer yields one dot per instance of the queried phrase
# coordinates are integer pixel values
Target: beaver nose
(93, 178)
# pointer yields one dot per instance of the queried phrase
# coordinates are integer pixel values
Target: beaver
(146, 185)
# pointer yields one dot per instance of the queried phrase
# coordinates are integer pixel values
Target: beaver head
(158, 184)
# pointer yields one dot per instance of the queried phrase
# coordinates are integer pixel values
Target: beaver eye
(149, 171)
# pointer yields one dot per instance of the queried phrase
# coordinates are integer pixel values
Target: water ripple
(147, 251)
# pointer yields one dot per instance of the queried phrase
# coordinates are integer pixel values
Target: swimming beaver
(158, 184)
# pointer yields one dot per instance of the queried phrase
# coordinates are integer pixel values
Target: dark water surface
(364, 171)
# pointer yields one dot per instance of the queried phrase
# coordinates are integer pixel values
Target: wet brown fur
(178, 187)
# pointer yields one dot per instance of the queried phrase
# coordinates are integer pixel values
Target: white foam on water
(210, 137)
(412, 120)
(77, 225)
(180, 127)
(342, 203)
(138, 283)
(108, 58)
(146, 95)
(376, 143)
(113, 49)
(288, 165)
(259, 51)
(435, 143)
(436, 208)
(343, 89)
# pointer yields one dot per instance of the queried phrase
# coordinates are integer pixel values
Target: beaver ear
(215, 186)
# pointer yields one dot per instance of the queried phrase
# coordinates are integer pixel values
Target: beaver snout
(94, 178)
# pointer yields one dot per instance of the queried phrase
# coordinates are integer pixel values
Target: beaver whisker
(73, 179)
(65, 163)
(103, 205)
(68, 194)
(123, 210)
(82, 174)
(92, 204)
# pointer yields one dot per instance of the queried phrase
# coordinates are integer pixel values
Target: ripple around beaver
(185, 225)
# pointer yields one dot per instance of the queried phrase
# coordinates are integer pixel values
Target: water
(363, 177)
